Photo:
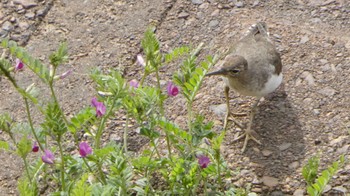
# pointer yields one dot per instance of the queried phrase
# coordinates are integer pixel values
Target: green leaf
(81, 188)
(4, 145)
(33, 64)
(54, 123)
(60, 56)
(176, 53)
(24, 147)
(151, 134)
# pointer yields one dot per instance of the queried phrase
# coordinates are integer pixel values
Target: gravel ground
(307, 115)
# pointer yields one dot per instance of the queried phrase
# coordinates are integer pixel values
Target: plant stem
(102, 176)
(189, 110)
(126, 134)
(62, 164)
(219, 168)
(31, 124)
(101, 126)
(27, 171)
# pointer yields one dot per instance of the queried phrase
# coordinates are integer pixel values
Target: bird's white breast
(272, 83)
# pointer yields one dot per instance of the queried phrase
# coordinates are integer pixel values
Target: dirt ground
(307, 115)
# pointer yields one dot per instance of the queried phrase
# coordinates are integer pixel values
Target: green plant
(316, 184)
(192, 163)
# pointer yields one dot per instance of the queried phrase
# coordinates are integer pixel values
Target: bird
(252, 67)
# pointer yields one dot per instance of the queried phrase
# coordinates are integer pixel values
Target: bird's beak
(215, 73)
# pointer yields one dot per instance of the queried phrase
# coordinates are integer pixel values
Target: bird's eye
(234, 70)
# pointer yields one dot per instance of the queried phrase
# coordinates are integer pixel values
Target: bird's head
(233, 65)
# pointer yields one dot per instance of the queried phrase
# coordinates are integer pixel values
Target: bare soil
(307, 115)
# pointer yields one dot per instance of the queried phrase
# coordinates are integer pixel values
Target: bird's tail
(258, 28)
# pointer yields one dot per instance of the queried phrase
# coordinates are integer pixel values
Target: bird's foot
(227, 118)
(248, 136)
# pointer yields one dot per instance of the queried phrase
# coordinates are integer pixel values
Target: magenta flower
(172, 89)
(203, 161)
(48, 157)
(134, 83)
(100, 108)
(84, 149)
(19, 65)
(35, 147)
(140, 60)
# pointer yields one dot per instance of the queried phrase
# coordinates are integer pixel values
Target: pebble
(183, 15)
(327, 188)
(26, 3)
(30, 15)
(284, 146)
(294, 165)
(197, 2)
(239, 4)
(277, 193)
(215, 12)
(213, 23)
(298, 192)
(7, 26)
(269, 181)
(304, 39)
(23, 25)
(340, 189)
(309, 78)
(204, 6)
(266, 153)
(219, 110)
(327, 91)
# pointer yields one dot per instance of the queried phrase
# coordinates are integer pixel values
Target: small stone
(340, 189)
(197, 2)
(266, 153)
(23, 25)
(343, 149)
(215, 12)
(270, 181)
(277, 193)
(294, 165)
(239, 4)
(204, 6)
(327, 91)
(26, 3)
(327, 188)
(13, 19)
(256, 3)
(219, 110)
(284, 146)
(323, 61)
(213, 23)
(298, 192)
(183, 15)
(7, 26)
(309, 78)
(258, 190)
(304, 39)
(30, 15)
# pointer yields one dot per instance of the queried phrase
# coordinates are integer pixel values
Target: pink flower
(48, 157)
(100, 108)
(140, 60)
(134, 83)
(172, 89)
(84, 149)
(19, 65)
(35, 147)
(203, 161)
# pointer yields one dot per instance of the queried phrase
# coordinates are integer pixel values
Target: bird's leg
(248, 132)
(227, 89)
